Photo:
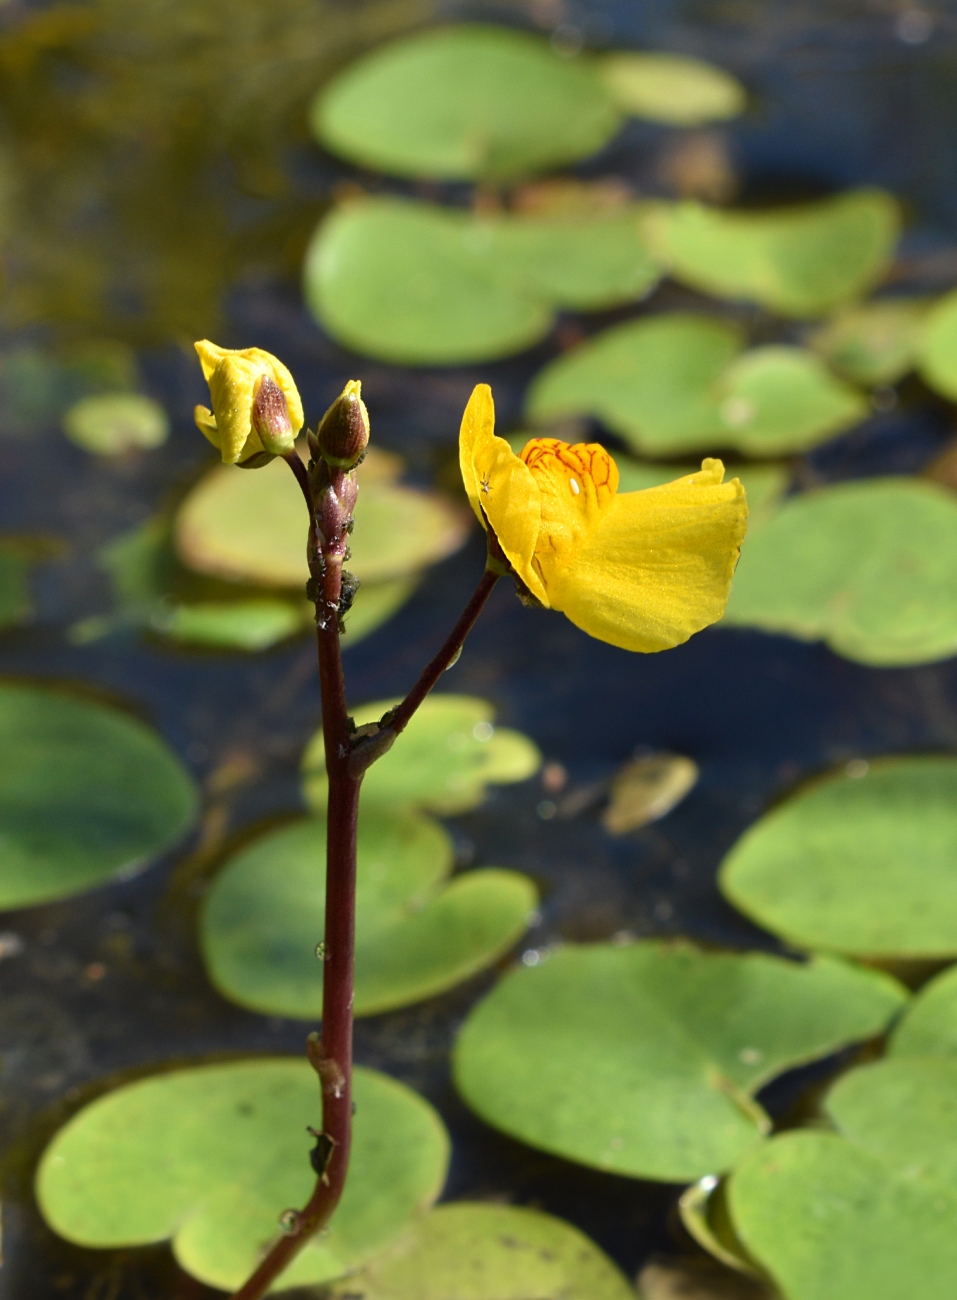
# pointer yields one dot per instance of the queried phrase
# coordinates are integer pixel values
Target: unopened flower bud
(236, 379)
(343, 432)
(270, 418)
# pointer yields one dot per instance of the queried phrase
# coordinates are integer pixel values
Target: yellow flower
(642, 570)
(234, 379)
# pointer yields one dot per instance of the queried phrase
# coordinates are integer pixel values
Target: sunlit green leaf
(211, 1155)
(800, 261)
(678, 383)
(929, 1027)
(867, 1210)
(670, 88)
(112, 423)
(863, 862)
(644, 1059)
(869, 566)
(443, 761)
(489, 1252)
(877, 343)
(465, 102)
(86, 793)
(416, 933)
(420, 284)
(251, 526)
(241, 624)
(938, 346)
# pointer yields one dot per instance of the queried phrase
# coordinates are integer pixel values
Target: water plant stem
(347, 758)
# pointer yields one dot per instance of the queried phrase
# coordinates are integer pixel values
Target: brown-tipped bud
(343, 431)
(270, 418)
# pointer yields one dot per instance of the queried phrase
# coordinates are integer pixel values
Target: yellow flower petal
(576, 484)
(233, 376)
(658, 567)
(206, 424)
(478, 425)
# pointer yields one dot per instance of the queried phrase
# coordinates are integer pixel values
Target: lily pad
(465, 103)
(419, 284)
(869, 1209)
(489, 1252)
(644, 1059)
(877, 343)
(929, 1028)
(442, 762)
(679, 383)
(87, 793)
(670, 88)
(112, 423)
(871, 569)
(14, 588)
(800, 261)
(417, 934)
(241, 625)
(938, 350)
(250, 526)
(857, 863)
(232, 1154)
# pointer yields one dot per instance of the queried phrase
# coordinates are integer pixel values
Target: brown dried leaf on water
(697, 1279)
(645, 789)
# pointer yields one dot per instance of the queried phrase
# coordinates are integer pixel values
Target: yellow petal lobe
(206, 424)
(576, 484)
(658, 566)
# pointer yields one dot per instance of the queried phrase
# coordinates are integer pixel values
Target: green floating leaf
(644, 1060)
(929, 1027)
(112, 423)
(209, 1156)
(489, 1252)
(863, 864)
(877, 343)
(672, 89)
(938, 346)
(417, 934)
(14, 588)
(240, 624)
(870, 566)
(442, 762)
(801, 261)
(419, 284)
(37, 387)
(678, 382)
(465, 103)
(86, 793)
(868, 1210)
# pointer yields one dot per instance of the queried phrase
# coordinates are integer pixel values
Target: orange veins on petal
(577, 483)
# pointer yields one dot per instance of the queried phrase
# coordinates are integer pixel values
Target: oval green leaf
(489, 1252)
(416, 933)
(112, 423)
(87, 793)
(643, 1060)
(211, 1155)
(801, 261)
(250, 526)
(677, 383)
(871, 569)
(443, 761)
(672, 89)
(868, 1210)
(877, 343)
(929, 1026)
(938, 347)
(465, 103)
(863, 864)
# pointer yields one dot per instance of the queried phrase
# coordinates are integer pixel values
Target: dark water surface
(145, 221)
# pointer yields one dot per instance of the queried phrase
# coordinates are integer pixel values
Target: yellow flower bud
(235, 378)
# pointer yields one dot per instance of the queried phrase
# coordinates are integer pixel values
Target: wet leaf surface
(417, 932)
(660, 1049)
(86, 793)
(208, 1156)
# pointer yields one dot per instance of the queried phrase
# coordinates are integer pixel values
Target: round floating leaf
(111, 423)
(643, 1060)
(86, 793)
(800, 261)
(419, 284)
(676, 383)
(489, 1252)
(443, 761)
(672, 89)
(251, 525)
(14, 588)
(863, 864)
(236, 625)
(868, 1210)
(416, 935)
(209, 1156)
(877, 343)
(938, 350)
(871, 568)
(929, 1028)
(465, 102)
